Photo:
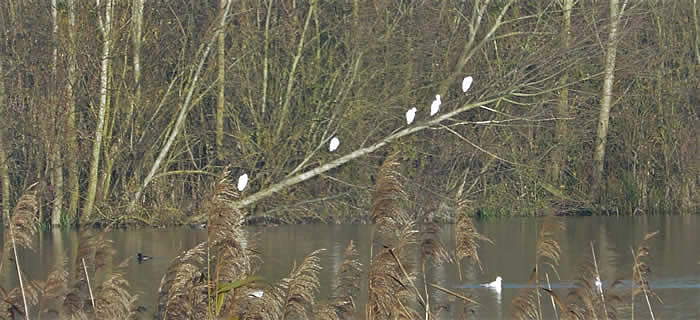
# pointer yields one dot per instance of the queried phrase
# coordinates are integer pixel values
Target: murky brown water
(675, 254)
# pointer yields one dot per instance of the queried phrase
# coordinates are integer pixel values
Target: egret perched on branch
(435, 106)
(242, 181)
(410, 115)
(334, 144)
(466, 83)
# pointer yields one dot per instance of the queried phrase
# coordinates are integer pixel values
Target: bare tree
(56, 158)
(606, 102)
(71, 135)
(105, 26)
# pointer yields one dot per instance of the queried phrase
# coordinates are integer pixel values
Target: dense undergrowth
(217, 278)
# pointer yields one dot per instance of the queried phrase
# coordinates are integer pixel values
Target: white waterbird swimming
(435, 106)
(467, 83)
(496, 285)
(242, 181)
(334, 144)
(410, 115)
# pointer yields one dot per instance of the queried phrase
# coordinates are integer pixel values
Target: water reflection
(674, 257)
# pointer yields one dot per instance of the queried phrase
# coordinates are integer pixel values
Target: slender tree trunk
(106, 30)
(697, 31)
(4, 167)
(558, 159)
(179, 123)
(606, 101)
(222, 86)
(290, 83)
(57, 163)
(265, 58)
(71, 135)
(136, 34)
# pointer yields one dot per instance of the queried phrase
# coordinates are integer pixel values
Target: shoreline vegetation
(216, 279)
(125, 111)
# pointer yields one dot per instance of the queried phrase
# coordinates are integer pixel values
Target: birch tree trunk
(57, 164)
(106, 30)
(137, 30)
(606, 101)
(179, 123)
(71, 135)
(4, 167)
(222, 87)
(558, 160)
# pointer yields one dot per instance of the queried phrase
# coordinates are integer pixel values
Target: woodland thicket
(125, 110)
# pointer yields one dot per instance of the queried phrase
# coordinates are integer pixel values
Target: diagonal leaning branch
(183, 112)
(262, 194)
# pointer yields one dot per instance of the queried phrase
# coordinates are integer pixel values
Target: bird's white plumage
(598, 284)
(435, 106)
(242, 181)
(410, 115)
(467, 83)
(496, 285)
(334, 144)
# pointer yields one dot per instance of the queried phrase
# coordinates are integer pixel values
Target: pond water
(674, 259)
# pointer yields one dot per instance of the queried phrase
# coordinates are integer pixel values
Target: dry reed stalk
(597, 278)
(528, 305)
(87, 277)
(211, 265)
(22, 226)
(466, 238)
(554, 306)
(342, 303)
(19, 274)
(389, 279)
(640, 271)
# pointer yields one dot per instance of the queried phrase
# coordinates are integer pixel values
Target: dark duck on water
(141, 258)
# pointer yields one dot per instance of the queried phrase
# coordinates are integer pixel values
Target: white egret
(435, 106)
(466, 83)
(242, 181)
(334, 144)
(496, 285)
(410, 115)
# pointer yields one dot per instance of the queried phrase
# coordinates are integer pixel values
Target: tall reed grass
(216, 278)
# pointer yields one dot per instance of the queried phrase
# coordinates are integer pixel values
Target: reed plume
(467, 238)
(342, 303)
(586, 301)
(13, 302)
(640, 273)
(387, 193)
(52, 290)
(183, 289)
(22, 225)
(197, 283)
(226, 235)
(291, 297)
(113, 299)
(527, 304)
(391, 288)
(110, 298)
